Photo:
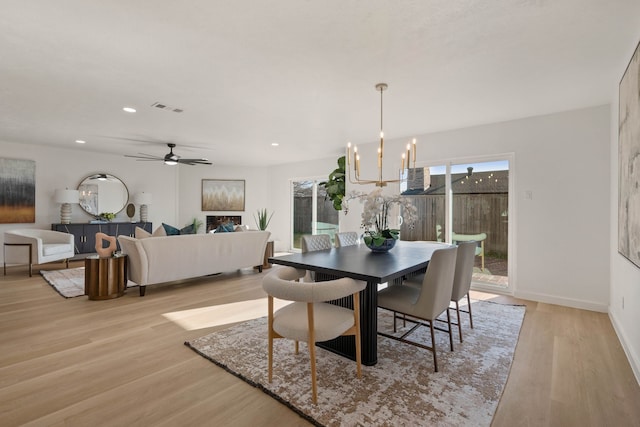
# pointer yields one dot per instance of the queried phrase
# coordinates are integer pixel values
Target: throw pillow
(188, 230)
(170, 230)
(141, 233)
(159, 232)
(225, 228)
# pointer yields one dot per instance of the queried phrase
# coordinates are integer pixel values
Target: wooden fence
(472, 214)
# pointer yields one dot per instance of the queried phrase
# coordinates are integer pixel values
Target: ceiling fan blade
(194, 161)
(144, 156)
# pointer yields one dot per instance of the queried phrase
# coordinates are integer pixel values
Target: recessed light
(274, 144)
(129, 109)
(79, 141)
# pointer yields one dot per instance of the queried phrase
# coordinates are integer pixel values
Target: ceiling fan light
(170, 162)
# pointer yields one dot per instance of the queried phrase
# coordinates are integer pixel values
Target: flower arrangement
(375, 215)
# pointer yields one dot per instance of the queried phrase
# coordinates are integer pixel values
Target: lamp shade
(143, 198)
(67, 196)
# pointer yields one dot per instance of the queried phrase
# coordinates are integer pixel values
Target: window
(313, 212)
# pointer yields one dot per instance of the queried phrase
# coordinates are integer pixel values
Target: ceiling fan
(171, 158)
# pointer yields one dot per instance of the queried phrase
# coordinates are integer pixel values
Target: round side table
(105, 278)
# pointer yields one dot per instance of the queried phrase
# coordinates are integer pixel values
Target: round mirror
(102, 193)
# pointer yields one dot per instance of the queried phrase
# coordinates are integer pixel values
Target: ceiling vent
(166, 107)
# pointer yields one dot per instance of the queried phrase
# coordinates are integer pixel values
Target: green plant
(262, 218)
(107, 216)
(335, 185)
(196, 224)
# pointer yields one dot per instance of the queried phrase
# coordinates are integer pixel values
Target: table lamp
(66, 197)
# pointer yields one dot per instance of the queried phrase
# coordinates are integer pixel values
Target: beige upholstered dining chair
(312, 243)
(315, 242)
(424, 303)
(461, 280)
(346, 238)
(308, 318)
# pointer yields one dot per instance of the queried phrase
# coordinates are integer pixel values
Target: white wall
(257, 192)
(562, 233)
(66, 168)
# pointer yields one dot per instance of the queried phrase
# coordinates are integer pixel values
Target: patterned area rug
(401, 389)
(70, 282)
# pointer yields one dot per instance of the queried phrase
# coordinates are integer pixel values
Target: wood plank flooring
(122, 362)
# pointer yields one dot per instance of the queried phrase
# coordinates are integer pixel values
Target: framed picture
(223, 195)
(629, 161)
(17, 191)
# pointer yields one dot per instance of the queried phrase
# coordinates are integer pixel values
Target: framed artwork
(223, 195)
(17, 191)
(629, 161)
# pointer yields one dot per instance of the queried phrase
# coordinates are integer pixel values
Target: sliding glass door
(459, 201)
(313, 213)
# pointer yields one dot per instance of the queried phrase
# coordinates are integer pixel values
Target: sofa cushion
(54, 248)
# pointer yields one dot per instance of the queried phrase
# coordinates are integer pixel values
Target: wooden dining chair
(309, 318)
(424, 303)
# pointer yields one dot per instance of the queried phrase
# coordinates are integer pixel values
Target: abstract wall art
(17, 191)
(629, 161)
(222, 195)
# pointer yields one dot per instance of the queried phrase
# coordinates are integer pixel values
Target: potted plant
(262, 218)
(378, 236)
(335, 185)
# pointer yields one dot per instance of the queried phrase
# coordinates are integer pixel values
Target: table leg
(345, 346)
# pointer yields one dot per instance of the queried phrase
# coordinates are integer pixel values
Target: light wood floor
(122, 362)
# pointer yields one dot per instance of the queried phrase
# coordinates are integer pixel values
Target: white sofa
(46, 246)
(165, 259)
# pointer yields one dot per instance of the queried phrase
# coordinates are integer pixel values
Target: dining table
(360, 263)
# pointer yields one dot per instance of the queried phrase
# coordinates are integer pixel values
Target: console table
(85, 234)
(105, 277)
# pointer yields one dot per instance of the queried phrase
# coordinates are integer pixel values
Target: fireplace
(213, 221)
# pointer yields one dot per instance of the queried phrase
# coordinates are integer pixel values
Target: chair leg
(312, 353)
(270, 320)
(459, 324)
(469, 305)
(450, 329)
(394, 321)
(433, 344)
(67, 262)
(356, 321)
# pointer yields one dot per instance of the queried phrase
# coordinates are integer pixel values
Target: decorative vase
(385, 247)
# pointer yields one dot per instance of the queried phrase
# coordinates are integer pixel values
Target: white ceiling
(299, 73)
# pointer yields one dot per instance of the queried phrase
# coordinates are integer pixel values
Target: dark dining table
(359, 263)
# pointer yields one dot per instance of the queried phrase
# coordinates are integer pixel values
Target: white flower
(375, 214)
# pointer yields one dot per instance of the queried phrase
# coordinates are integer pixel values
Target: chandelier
(410, 156)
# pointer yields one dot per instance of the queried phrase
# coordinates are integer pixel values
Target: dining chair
(309, 318)
(462, 280)
(315, 242)
(424, 303)
(347, 238)
(312, 243)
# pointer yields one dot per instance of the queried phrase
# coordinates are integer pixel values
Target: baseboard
(632, 357)
(567, 302)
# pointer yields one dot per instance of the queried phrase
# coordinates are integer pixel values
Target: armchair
(33, 246)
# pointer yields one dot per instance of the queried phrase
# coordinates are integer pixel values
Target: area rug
(69, 282)
(401, 389)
